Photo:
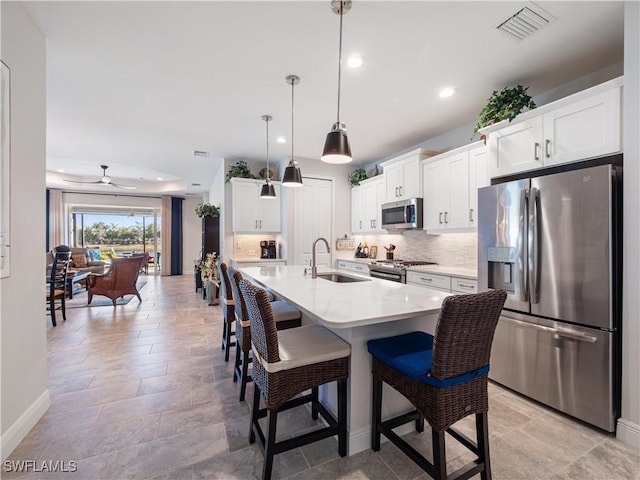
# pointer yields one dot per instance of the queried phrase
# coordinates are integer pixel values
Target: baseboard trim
(628, 432)
(16, 432)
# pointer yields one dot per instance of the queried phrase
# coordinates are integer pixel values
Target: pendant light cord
(292, 84)
(268, 174)
(340, 60)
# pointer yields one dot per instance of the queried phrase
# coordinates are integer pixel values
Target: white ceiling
(139, 86)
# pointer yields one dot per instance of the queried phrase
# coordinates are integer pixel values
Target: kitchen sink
(341, 278)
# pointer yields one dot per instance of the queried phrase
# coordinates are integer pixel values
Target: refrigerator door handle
(556, 332)
(534, 245)
(523, 271)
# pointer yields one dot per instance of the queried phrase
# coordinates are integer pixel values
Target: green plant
(358, 175)
(240, 169)
(204, 209)
(504, 105)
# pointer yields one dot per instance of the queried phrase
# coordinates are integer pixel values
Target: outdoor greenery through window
(117, 233)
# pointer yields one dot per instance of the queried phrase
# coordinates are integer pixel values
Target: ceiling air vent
(525, 22)
(196, 184)
(200, 153)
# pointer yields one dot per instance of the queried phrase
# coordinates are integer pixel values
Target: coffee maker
(268, 249)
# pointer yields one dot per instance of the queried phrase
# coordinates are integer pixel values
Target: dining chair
(57, 285)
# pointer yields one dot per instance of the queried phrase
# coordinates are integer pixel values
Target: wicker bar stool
(285, 315)
(286, 364)
(444, 377)
(228, 310)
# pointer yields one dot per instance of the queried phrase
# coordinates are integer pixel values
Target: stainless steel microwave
(402, 215)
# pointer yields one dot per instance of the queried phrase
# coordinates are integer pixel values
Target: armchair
(119, 281)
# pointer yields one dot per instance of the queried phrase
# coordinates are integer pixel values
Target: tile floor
(142, 391)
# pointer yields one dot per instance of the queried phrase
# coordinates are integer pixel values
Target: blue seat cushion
(411, 354)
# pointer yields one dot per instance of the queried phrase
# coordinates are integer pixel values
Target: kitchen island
(357, 312)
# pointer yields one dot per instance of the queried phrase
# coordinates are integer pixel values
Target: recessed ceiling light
(159, 178)
(355, 61)
(447, 92)
(60, 170)
(281, 140)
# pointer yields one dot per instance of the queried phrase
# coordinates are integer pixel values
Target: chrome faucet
(314, 269)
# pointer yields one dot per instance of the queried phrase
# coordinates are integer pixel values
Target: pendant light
(292, 176)
(336, 146)
(267, 191)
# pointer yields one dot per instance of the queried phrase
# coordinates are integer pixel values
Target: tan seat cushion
(305, 345)
(284, 311)
(79, 260)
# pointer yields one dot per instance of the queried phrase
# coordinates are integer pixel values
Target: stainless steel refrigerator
(553, 241)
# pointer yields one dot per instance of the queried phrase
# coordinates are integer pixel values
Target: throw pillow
(79, 260)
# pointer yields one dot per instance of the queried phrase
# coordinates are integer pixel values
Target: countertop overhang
(347, 305)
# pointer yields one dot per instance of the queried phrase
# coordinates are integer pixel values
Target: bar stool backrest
(464, 333)
(225, 285)
(264, 335)
(235, 278)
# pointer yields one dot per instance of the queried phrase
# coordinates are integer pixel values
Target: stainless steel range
(394, 270)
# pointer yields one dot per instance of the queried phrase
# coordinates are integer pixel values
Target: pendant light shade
(292, 176)
(336, 146)
(268, 191)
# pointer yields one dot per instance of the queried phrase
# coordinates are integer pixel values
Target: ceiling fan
(105, 180)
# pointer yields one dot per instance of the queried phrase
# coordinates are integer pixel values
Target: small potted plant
(240, 169)
(358, 175)
(504, 105)
(206, 209)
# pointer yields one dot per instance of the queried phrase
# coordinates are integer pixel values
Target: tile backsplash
(450, 249)
(248, 246)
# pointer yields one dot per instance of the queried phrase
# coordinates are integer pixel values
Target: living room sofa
(77, 263)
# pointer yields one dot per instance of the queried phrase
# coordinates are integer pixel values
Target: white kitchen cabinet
(580, 126)
(402, 176)
(365, 206)
(463, 285)
(252, 214)
(444, 283)
(431, 280)
(357, 209)
(357, 267)
(451, 181)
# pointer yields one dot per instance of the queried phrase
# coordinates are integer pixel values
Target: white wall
(629, 424)
(191, 234)
(22, 299)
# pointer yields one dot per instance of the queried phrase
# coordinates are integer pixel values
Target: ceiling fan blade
(128, 187)
(75, 181)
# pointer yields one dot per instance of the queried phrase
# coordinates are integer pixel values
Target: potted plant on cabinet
(207, 210)
(240, 169)
(504, 105)
(358, 175)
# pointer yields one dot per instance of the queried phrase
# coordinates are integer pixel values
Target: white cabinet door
(252, 213)
(357, 207)
(245, 206)
(393, 180)
(270, 213)
(313, 218)
(373, 195)
(584, 129)
(410, 186)
(478, 178)
(456, 214)
(435, 182)
(516, 148)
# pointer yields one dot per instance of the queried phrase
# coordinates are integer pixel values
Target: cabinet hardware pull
(260, 223)
(446, 220)
(536, 148)
(396, 191)
(471, 214)
(464, 285)
(426, 279)
(547, 143)
(256, 224)
(440, 218)
(400, 188)
(360, 224)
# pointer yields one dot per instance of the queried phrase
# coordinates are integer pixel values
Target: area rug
(80, 299)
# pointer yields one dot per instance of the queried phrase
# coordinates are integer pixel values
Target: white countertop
(346, 305)
(463, 272)
(254, 260)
